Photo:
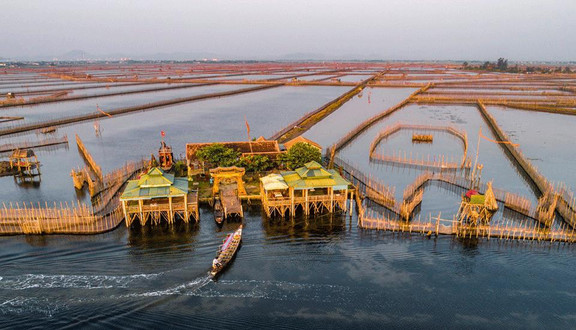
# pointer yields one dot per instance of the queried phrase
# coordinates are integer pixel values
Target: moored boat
(226, 251)
(218, 212)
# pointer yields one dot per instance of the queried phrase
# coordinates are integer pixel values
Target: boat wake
(41, 281)
(204, 287)
(30, 305)
(185, 288)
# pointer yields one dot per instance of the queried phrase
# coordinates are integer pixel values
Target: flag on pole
(247, 127)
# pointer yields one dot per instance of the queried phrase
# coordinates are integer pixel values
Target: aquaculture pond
(322, 272)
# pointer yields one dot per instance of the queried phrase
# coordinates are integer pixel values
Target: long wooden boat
(226, 251)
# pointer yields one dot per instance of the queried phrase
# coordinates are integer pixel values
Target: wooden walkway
(231, 203)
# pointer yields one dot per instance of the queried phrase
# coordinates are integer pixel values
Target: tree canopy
(255, 163)
(218, 155)
(300, 154)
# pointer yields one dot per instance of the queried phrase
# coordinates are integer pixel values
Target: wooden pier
(231, 204)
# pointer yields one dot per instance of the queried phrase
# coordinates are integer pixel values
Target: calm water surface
(322, 272)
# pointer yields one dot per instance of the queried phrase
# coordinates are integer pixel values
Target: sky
(520, 30)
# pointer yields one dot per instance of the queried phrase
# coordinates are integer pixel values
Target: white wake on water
(42, 281)
(179, 289)
(273, 290)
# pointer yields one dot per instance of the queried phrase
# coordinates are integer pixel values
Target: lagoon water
(322, 272)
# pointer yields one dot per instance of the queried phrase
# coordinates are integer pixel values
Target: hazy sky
(386, 29)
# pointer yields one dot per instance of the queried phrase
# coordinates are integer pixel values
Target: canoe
(218, 212)
(226, 251)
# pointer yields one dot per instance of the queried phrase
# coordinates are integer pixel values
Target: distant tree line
(501, 65)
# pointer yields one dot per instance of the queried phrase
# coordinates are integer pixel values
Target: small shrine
(477, 209)
(165, 155)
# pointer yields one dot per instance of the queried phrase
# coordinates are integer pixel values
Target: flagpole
(248, 133)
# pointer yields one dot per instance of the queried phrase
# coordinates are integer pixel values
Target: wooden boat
(218, 212)
(226, 251)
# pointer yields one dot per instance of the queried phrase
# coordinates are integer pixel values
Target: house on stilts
(158, 195)
(311, 188)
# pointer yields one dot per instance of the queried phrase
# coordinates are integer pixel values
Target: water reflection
(303, 228)
(163, 236)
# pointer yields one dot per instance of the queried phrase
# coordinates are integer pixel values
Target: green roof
(477, 199)
(156, 178)
(155, 184)
(313, 175)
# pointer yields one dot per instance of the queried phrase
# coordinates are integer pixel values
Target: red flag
(162, 133)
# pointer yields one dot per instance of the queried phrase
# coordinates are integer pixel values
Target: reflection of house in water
(260, 146)
(156, 195)
(311, 188)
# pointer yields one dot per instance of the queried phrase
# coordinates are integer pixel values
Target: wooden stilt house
(311, 188)
(157, 195)
(25, 162)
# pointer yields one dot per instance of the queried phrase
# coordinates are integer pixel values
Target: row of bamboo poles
(367, 186)
(77, 218)
(372, 120)
(299, 126)
(440, 162)
(566, 204)
(504, 230)
(106, 199)
(45, 142)
(88, 157)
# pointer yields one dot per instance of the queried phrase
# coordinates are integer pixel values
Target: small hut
(156, 195)
(25, 162)
(311, 188)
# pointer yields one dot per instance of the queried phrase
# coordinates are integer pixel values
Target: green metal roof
(156, 178)
(313, 175)
(477, 199)
(155, 184)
